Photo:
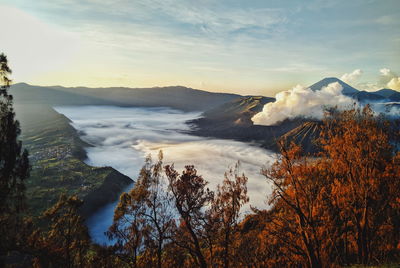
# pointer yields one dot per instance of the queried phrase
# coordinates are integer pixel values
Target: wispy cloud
(259, 44)
(387, 20)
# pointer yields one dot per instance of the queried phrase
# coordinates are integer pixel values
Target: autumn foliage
(338, 208)
(341, 208)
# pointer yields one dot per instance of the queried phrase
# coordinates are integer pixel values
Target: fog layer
(122, 137)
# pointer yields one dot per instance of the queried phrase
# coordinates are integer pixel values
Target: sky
(246, 47)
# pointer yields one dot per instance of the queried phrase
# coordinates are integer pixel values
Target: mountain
(238, 111)
(232, 120)
(395, 97)
(25, 94)
(347, 89)
(389, 94)
(386, 92)
(183, 98)
(364, 96)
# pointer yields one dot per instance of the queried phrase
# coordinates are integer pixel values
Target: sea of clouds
(123, 137)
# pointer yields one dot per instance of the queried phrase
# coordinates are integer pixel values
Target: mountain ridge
(182, 98)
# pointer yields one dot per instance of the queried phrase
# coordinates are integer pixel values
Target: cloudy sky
(248, 47)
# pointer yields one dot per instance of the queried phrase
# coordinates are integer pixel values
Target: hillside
(237, 112)
(182, 98)
(56, 156)
(390, 94)
(306, 134)
(233, 121)
(364, 96)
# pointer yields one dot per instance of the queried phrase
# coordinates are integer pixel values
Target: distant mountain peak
(347, 89)
(386, 92)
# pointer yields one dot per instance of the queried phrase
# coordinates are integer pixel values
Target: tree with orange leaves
(342, 207)
(229, 199)
(297, 187)
(65, 241)
(190, 197)
(365, 180)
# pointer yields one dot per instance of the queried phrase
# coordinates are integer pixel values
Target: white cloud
(215, 18)
(351, 77)
(389, 79)
(385, 71)
(394, 83)
(368, 86)
(387, 20)
(302, 102)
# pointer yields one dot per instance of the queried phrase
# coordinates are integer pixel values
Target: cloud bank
(302, 102)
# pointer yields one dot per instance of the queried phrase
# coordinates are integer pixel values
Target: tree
(298, 185)
(158, 210)
(129, 228)
(14, 166)
(365, 180)
(191, 197)
(342, 207)
(145, 214)
(225, 208)
(64, 241)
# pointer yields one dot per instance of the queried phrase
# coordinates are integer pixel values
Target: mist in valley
(122, 137)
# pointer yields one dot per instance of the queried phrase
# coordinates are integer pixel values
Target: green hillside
(56, 156)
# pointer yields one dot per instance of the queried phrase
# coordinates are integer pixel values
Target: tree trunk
(362, 237)
(200, 257)
(226, 250)
(159, 254)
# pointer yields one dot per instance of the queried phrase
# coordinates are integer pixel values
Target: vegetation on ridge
(56, 156)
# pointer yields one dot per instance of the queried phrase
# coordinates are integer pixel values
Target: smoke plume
(302, 102)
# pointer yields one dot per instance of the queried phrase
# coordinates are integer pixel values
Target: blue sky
(249, 47)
